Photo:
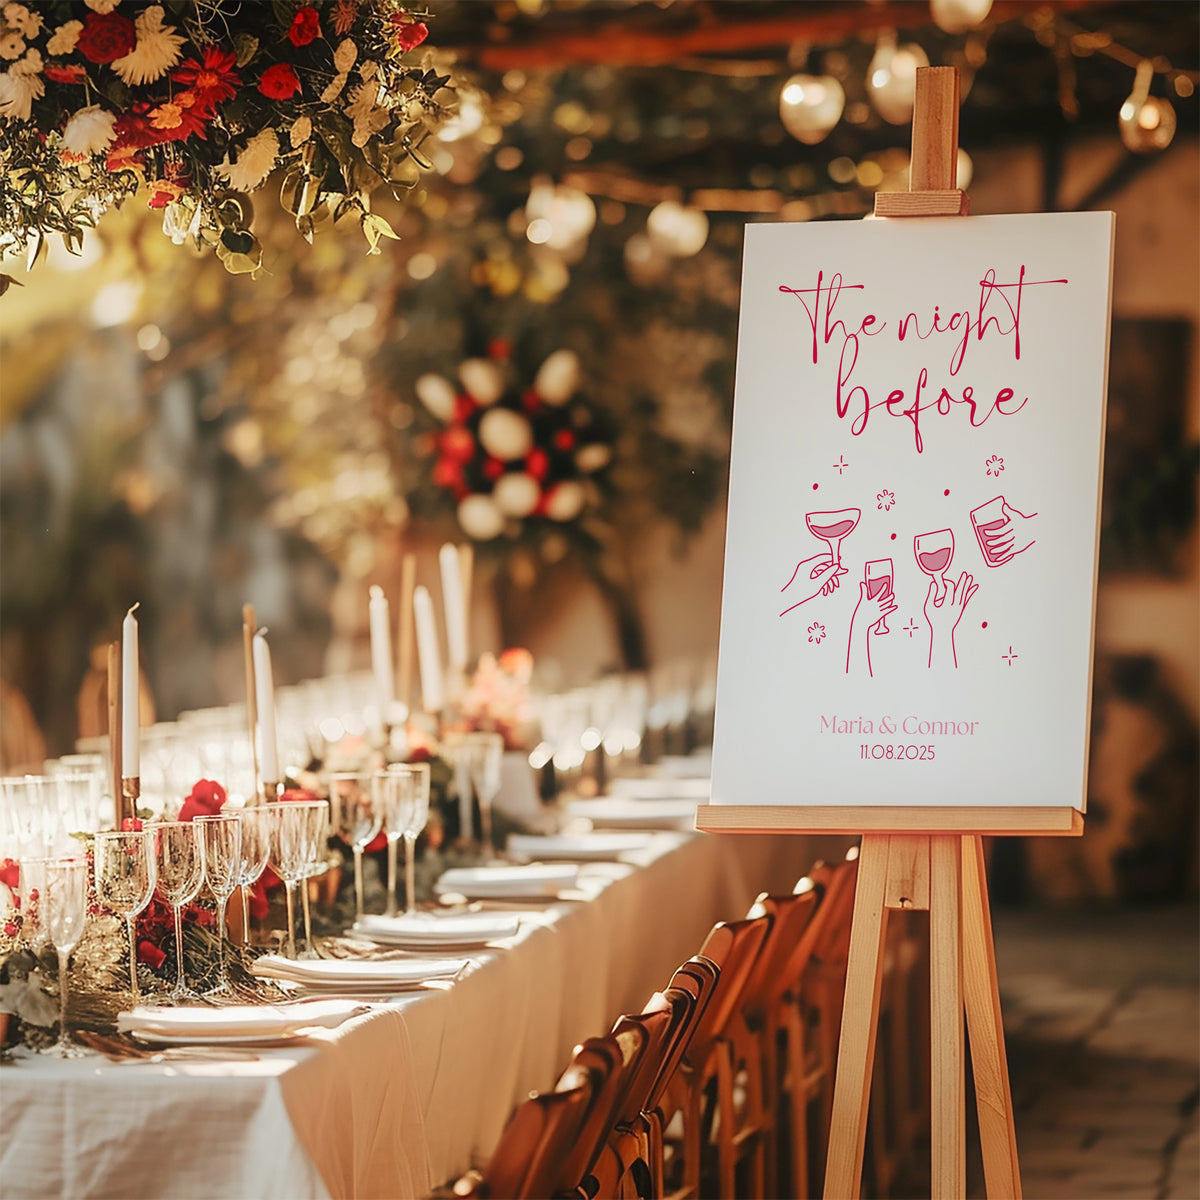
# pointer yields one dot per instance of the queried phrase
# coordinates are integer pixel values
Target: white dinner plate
(585, 847)
(328, 974)
(236, 1022)
(537, 880)
(622, 812)
(429, 931)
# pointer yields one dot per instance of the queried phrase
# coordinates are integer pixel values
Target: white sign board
(910, 561)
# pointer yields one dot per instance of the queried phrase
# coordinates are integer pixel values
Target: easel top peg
(933, 172)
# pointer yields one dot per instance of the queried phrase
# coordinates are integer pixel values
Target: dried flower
(253, 164)
(12, 45)
(64, 39)
(157, 49)
(102, 6)
(18, 17)
(305, 27)
(20, 85)
(90, 131)
(105, 37)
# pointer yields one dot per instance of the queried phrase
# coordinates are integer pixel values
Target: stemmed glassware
(220, 839)
(64, 909)
(180, 867)
(357, 818)
(485, 757)
(934, 553)
(290, 852)
(126, 874)
(256, 849)
(32, 888)
(406, 809)
(316, 835)
(831, 527)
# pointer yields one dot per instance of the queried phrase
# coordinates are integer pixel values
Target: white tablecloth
(397, 1101)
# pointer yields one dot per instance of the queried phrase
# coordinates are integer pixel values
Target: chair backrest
(733, 947)
(832, 938)
(609, 1061)
(657, 1022)
(783, 952)
(528, 1159)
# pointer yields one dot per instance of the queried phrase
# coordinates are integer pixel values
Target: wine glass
(289, 852)
(831, 527)
(32, 889)
(316, 837)
(878, 576)
(934, 553)
(220, 839)
(256, 849)
(485, 754)
(177, 857)
(64, 907)
(126, 873)
(406, 804)
(357, 818)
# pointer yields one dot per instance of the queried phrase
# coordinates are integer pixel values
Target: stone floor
(1102, 1013)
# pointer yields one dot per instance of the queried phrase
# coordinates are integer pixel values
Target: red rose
(151, 955)
(206, 799)
(447, 473)
(11, 929)
(279, 82)
(531, 401)
(376, 843)
(10, 873)
(538, 463)
(409, 34)
(306, 26)
(297, 795)
(457, 444)
(493, 468)
(564, 439)
(464, 406)
(106, 37)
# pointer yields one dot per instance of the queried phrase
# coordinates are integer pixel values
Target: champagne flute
(357, 818)
(415, 812)
(289, 852)
(221, 852)
(316, 835)
(65, 909)
(256, 849)
(32, 889)
(485, 754)
(126, 874)
(180, 868)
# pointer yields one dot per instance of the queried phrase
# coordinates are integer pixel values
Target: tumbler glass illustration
(987, 520)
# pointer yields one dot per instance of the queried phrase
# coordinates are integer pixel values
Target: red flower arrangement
(200, 99)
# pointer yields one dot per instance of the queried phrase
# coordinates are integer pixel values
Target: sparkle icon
(841, 464)
(1010, 656)
(910, 628)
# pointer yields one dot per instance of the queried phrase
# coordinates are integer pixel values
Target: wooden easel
(940, 872)
(928, 858)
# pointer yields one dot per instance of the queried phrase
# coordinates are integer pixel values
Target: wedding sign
(910, 564)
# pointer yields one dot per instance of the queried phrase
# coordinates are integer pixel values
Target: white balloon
(516, 494)
(436, 392)
(479, 517)
(558, 377)
(593, 458)
(505, 434)
(565, 501)
(483, 379)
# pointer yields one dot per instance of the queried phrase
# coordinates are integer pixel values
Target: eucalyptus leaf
(246, 47)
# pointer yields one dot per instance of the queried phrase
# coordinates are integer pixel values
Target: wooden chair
(772, 1017)
(719, 1052)
(528, 1161)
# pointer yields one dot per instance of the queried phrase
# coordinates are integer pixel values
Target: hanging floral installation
(198, 103)
(509, 454)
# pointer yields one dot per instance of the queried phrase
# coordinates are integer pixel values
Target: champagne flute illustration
(934, 553)
(878, 577)
(831, 527)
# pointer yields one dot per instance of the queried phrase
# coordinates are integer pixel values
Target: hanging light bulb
(965, 171)
(892, 79)
(1147, 123)
(677, 230)
(810, 106)
(957, 16)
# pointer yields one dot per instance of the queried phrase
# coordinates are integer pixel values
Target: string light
(810, 106)
(1147, 123)
(892, 78)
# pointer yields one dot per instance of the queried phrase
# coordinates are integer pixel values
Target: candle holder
(131, 790)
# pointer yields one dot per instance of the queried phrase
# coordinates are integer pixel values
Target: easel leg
(860, 1019)
(949, 1133)
(993, 1095)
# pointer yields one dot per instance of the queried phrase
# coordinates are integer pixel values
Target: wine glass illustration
(878, 576)
(64, 906)
(221, 851)
(934, 553)
(180, 876)
(831, 528)
(126, 875)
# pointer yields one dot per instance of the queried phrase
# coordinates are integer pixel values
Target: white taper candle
(130, 709)
(264, 693)
(381, 650)
(455, 607)
(433, 692)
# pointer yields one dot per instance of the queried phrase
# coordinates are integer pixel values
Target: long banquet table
(396, 1101)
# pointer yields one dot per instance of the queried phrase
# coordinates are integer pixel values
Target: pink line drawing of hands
(943, 616)
(1003, 532)
(816, 576)
(868, 612)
